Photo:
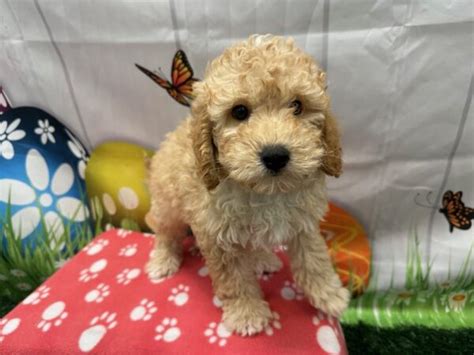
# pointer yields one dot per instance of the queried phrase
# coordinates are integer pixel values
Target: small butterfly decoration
(457, 214)
(180, 87)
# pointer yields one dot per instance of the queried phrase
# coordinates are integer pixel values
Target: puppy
(246, 171)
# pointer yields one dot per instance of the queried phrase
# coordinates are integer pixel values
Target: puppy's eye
(240, 112)
(297, 107)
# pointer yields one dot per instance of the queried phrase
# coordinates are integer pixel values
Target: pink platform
(102, 302)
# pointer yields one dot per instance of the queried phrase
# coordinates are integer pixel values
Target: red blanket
(102, 302)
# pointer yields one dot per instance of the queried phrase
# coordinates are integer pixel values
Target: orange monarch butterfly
(180, 88)
(456, 213)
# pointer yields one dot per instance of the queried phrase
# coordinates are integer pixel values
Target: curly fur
(207, 174)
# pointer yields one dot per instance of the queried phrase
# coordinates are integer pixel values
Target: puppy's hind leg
(167, 253)
(314, 274)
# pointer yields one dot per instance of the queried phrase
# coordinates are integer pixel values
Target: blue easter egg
(42, 186)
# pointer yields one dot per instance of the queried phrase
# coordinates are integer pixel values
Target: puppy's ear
(202, 139)
(332, 160)
(322, 82)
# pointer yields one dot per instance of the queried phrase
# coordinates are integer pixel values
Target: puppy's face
(266, 107)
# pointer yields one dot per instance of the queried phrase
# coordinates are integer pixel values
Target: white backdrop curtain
(400, 75)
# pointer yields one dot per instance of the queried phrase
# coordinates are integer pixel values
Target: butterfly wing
(456, 213)
(182, 77)
(453, 221)
(469, 212)
(464, 214)
(178, 97)
(464, 222)
(165, 84)
(187, 89)
(449, 210)
(447, 196)
(180, 87)
(181, 70)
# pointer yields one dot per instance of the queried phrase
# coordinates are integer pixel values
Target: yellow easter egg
(115, 183)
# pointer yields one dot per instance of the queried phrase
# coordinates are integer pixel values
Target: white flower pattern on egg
(79, 152)
(8, 134)
(45, 131)
(45, 192)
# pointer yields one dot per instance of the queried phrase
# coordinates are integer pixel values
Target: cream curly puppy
(246, 171)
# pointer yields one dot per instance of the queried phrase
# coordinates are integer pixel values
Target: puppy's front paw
(246, 317)
(162, 265)
(267, 262)
(331, 300)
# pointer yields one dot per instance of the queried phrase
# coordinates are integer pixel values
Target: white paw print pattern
(179, 295)
(203, 272)
(144, 311)
(265, 276)
(40, 294)
(127, 275)
(98, 294)
(96, 247)
(326, 335)
(129, 250)
(152, 253)
(217, 302)
(291, 292)
(98, 328)
(53, 315)
(168, 330)
(327, 339)
(274, 324)
(217, 334)
(123, 233)
(92, 271)
(322, 316)
(8, 326)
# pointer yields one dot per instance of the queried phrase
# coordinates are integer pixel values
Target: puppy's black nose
(275, 157)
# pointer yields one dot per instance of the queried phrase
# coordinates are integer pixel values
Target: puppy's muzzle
(274, 158)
